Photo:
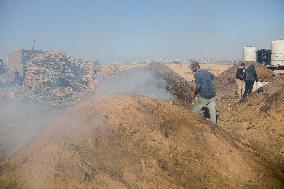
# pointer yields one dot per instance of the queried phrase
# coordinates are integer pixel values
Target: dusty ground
(133, 142)
(140, 142)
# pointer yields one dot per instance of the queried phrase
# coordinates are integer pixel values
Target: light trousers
(240, 87)
(206, 103)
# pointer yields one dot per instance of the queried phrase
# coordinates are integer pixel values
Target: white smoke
(135, 82)
(20, 122)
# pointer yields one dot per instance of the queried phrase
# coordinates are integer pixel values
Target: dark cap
(194, 64)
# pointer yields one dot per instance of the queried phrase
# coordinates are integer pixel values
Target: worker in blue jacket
(204, 91)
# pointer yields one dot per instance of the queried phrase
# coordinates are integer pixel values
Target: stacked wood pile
(55, 78)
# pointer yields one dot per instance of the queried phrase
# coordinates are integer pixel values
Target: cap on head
(194, 64)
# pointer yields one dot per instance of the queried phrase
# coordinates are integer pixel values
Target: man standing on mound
(204, 91)
(251, 77)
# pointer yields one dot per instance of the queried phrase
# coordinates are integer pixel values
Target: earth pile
(257, 121)
(132, 142)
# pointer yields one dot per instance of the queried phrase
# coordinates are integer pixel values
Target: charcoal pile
(55, 78)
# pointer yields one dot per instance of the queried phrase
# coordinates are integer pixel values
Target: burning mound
(164, 85)
(132, 142)
(54, 77)
(258, 122)
(154, 80)
(177, 85)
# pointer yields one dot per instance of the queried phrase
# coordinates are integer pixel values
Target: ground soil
(133, 142)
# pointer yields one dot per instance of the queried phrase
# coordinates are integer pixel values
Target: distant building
(263, 56)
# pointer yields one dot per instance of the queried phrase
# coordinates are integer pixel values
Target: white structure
(277, 54)
(250, 54)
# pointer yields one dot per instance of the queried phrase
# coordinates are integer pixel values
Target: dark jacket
(240, 74)
(251, 73)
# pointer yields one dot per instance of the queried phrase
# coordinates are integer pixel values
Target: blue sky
(108, 30)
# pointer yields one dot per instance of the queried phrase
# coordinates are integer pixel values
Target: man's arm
(197, 86)
(196, 91)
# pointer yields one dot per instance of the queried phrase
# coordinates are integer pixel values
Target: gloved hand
(193, 95)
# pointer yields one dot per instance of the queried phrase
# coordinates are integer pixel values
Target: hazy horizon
(111, 30)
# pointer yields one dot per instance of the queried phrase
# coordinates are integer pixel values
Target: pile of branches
(54, 78)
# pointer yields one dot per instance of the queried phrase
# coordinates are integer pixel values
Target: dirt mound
(132, 142)
(258, 122)
(137, 81)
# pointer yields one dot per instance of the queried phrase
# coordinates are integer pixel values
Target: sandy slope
(132, 142)
(258, 122)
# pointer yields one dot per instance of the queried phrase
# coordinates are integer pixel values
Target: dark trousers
(248, 87)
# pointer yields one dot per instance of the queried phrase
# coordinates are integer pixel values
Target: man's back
(251, 73)
(240, 74)
(203, 80)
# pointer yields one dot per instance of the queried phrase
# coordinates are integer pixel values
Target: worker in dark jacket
(250, 78)
(240, 78)
(204, 91)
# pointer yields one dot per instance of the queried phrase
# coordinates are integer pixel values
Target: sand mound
(132, 142)
(258, 122)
